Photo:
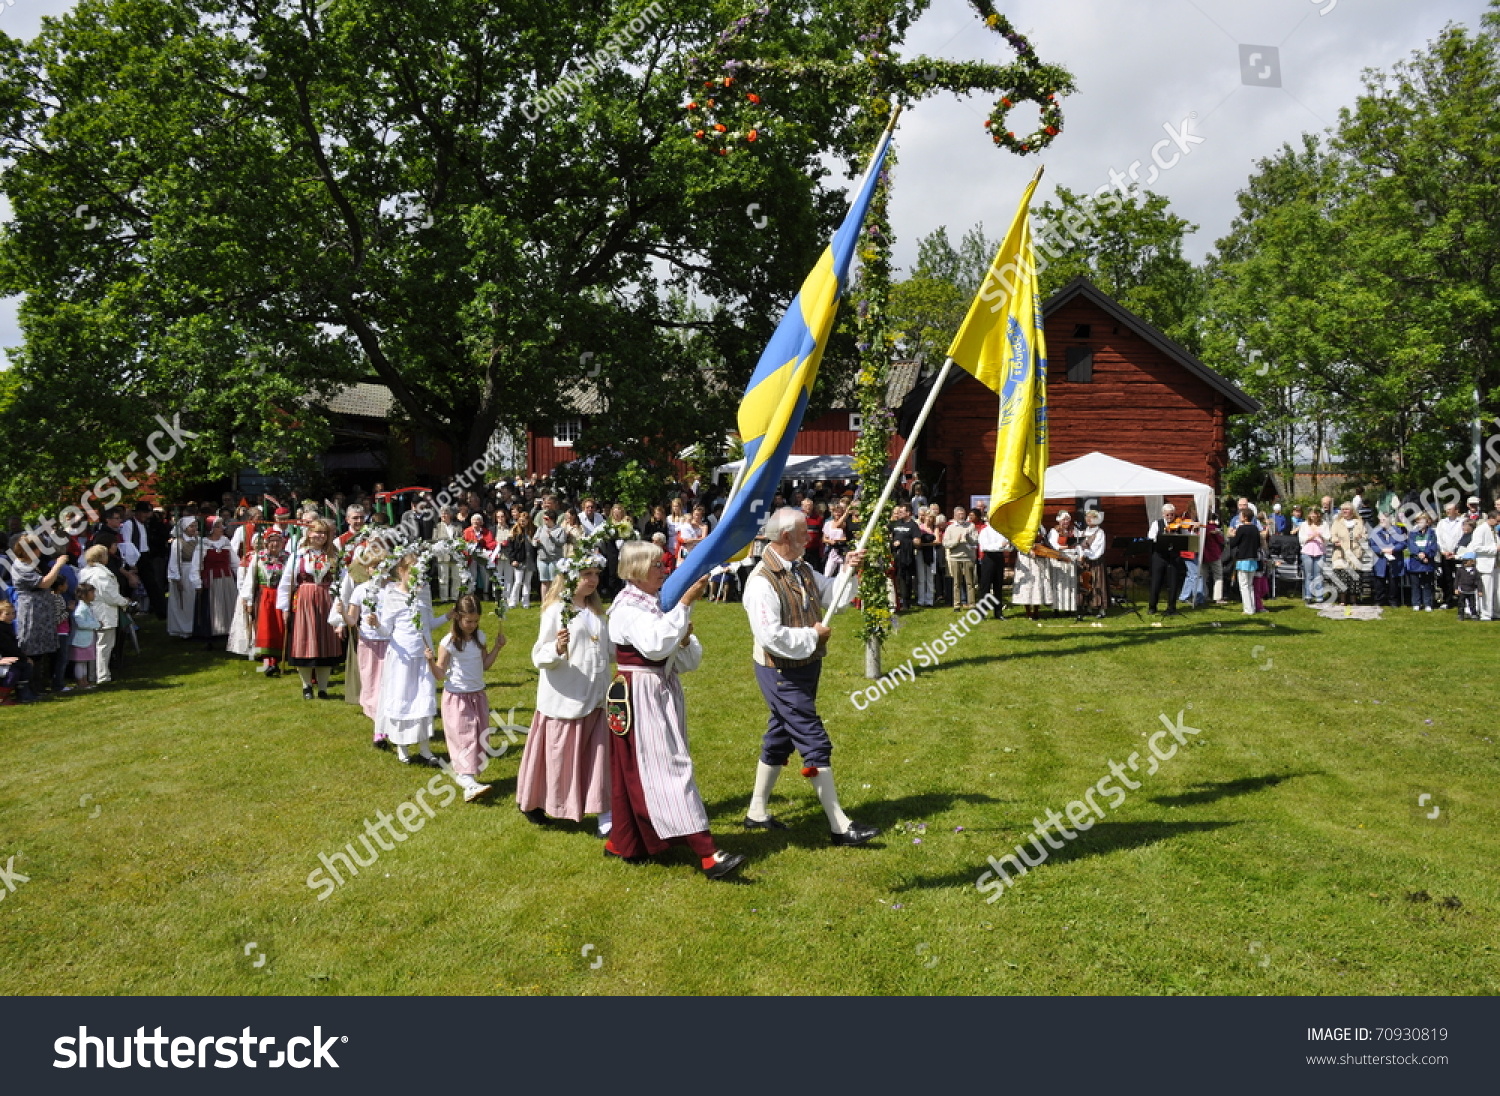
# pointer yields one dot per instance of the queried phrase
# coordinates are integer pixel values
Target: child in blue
(82, 649)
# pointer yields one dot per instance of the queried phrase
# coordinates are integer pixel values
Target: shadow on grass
(1135, 638)
(1213, 791)
(1100, 840)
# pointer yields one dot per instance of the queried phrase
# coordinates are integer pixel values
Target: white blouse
(572, 685)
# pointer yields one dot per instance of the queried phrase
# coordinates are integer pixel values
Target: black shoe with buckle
(770, 822)
(307, 692)
(725, 864)
(855, 834)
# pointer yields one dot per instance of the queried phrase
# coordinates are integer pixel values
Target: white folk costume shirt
(992, 540)
(764, 609)
(466, 666)
(637, 620)
(217, 545)
(294, 565)
(407, 687)
(180, 569)
(572, 685)
(132, 541)
(1094, 542)
(1449, 532)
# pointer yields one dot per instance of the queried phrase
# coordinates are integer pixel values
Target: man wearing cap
(785, 599)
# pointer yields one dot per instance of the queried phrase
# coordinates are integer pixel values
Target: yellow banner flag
(1003, 345)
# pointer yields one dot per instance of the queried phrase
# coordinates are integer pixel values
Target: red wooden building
(1115, 384)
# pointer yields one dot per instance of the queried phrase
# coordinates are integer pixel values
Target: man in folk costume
(785, 599)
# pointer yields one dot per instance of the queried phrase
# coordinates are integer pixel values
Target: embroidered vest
(797, 592)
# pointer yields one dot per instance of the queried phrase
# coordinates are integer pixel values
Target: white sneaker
(1427, 608)
(478, 791)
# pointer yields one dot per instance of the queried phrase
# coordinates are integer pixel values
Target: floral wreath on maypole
(584, 556)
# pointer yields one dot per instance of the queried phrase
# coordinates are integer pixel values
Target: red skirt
(314, 642)
(270, 629)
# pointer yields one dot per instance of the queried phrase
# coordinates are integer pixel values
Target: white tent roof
(1102, 476)
(802, 467)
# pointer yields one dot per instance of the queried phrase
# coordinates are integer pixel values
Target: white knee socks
(838, 821)
(765, 780)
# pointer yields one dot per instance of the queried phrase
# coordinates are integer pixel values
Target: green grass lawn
(1282, 851)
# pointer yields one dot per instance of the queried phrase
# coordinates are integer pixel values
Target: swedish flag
(1002, 343)
(776, 397)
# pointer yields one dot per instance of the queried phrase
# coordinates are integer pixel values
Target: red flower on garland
(752, 135)
(692, 106)
(698, 134)
(721, 127)
(754, 98)
(986, 123)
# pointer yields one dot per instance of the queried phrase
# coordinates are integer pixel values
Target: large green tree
(1358, 293)
(222, 207)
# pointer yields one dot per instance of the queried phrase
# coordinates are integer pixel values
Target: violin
(1182, 525)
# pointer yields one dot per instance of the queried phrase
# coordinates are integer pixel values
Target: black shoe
(381, 743)
(307, 692)
(610, 854)
(323, 695)
(725, 864)
(855, 834)
(538, 817)
(430, 760)
(771, 823)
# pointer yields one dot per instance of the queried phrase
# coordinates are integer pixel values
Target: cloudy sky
(1140, 66)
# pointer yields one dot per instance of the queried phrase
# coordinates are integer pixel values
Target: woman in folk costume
(362, 553)
(305, 599)
(366, 639)
(1092, 544)
(408, 687)
(1064, 571)
(1033, 583)
(184, 561)
(259, 578)
(654, 797)
(565, 769)
(218, 585)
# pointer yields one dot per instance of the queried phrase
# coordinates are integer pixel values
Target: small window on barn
(856, 422)
(566, 431)
(1080, 365)
(1081, 330)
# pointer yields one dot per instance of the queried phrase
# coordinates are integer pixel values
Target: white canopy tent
(802, 467)
(1097, 475)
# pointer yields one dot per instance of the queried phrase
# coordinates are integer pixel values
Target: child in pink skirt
(461, 661)
(371, 642)
(565, 769)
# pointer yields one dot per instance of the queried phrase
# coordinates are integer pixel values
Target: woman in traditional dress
(184, 561)
(305, 600)
(1092, 545)
(218, 586)
(1033, 580)
(1064, 572)
(408, 697)
(655, 798)
(259, 579)
(565, 769)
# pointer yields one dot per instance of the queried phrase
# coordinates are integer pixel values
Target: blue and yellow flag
(776, 397)
(1002, 343)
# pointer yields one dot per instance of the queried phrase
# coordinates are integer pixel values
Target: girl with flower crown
(565, 768)
(403, 616)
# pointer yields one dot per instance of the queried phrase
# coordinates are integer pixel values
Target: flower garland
(427, 555)
(724, 115)
(1031, 85)
(585, 556)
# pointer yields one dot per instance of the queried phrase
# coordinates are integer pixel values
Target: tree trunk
(872, 657)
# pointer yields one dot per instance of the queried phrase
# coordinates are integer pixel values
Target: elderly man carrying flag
(789, 639)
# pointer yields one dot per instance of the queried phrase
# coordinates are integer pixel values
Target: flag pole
(906, 452)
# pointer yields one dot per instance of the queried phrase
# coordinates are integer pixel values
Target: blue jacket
(1387, 538)
(1421, 542)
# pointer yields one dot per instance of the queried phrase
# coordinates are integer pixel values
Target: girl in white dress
(408, 687)
(184, 559)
